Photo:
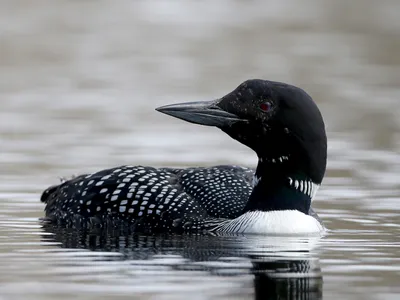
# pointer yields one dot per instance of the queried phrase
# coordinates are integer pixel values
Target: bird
(280, 122)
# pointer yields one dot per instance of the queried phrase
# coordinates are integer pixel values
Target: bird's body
(137, 195)
(275, 198)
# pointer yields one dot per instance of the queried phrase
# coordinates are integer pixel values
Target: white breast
(272, 222)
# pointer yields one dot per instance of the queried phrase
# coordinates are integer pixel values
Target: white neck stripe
(305, 186)
(256, 180)
(280, 159)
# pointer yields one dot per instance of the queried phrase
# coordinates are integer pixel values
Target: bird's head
(280, 122)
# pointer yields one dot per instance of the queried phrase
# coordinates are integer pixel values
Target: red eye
(266, 106)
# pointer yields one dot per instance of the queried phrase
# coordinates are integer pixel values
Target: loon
(280, 122)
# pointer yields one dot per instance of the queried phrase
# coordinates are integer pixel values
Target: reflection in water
(283, 267)
(286, 279)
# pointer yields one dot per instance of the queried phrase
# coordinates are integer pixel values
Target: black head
(280, 122)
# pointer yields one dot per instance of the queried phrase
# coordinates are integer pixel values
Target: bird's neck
(280, 185)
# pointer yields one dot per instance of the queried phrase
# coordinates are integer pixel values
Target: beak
(203, 113)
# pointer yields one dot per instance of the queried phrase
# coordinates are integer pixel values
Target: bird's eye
(266, 106)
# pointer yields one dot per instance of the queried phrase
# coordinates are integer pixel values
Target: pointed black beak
(204, 113)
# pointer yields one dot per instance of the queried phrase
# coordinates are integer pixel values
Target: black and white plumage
(280, 122)
(136, 195)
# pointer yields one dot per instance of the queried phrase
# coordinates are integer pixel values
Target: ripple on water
(78, 94)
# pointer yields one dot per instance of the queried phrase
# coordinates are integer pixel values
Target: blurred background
(79, 82)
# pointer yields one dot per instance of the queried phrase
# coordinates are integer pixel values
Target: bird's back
(162, 199)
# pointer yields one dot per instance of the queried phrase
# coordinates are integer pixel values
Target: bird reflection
(285, 279)
(283, 267)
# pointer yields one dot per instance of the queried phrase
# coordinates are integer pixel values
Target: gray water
(79, 81)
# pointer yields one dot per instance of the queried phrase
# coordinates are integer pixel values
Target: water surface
(79, 81)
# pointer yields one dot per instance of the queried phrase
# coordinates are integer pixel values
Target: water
(79, 81)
